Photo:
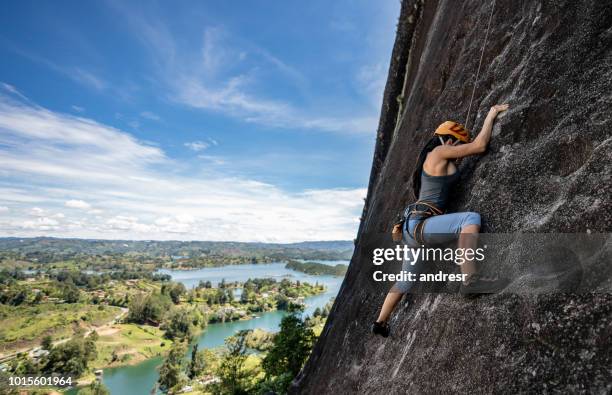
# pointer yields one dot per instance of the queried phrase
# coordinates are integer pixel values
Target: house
(38, 353)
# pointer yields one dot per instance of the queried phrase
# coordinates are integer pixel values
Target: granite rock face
(548, 169)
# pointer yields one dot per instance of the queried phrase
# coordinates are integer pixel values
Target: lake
(141, 378)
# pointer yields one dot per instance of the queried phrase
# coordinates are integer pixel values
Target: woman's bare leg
(468, 238)
(393, 297)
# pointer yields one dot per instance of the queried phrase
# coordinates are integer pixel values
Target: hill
(51, 249)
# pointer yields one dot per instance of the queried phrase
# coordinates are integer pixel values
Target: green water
(140, 379)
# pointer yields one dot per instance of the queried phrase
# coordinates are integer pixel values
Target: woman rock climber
(436, 172)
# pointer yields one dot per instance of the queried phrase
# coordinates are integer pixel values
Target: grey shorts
(439, 229)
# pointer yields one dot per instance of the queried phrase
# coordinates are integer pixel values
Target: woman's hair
(416, 176)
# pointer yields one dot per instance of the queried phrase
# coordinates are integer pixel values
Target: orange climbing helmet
(454, 129)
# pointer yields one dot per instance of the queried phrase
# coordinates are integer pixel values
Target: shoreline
(197, 334)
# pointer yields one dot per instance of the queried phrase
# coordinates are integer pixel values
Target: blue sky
(189, 120)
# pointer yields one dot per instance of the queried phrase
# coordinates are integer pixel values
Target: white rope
(467, 118)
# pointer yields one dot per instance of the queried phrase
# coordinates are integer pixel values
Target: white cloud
(200, 145)
(127, 223)
(12, 90)
(37, 212)
(197, 145)
(77, 108)
(80, 204)
(232, 98)
(140, 193)
(4, 209)
(49, 134)
(41, 224)
(219, 80)
(181, 223)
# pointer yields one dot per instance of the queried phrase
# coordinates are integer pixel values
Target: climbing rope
(467, 117)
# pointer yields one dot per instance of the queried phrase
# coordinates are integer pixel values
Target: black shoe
(381, 328)
(484, 285)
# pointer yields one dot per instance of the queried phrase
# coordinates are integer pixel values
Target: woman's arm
(479, 145)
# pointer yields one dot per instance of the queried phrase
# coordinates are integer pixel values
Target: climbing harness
(424, 210)
(467, 117)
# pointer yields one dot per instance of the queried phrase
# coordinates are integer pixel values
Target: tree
(19, 298)
(176, 292)
(171, 373)
(71, 357)
(70, 293)
(291, 346)
(22, 366)
(246, 296)
(232, 372)
(148, 309)
(38, 298)
(179, 326)
(282, 302)
(221, 296)
(95, 388)
(93, 336)
(197, 363)
(285, 284)
(47, 343)
(212, 361)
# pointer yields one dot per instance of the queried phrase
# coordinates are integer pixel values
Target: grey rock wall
(548, 169)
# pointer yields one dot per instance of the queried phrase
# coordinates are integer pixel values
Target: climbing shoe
(381, 328)
(483, 285)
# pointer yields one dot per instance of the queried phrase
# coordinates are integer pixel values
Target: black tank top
(435, 189)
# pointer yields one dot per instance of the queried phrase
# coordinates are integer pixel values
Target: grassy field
(25, 326)
(124, 344)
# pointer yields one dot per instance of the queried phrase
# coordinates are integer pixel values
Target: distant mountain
(337, 245)
(65, 247)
